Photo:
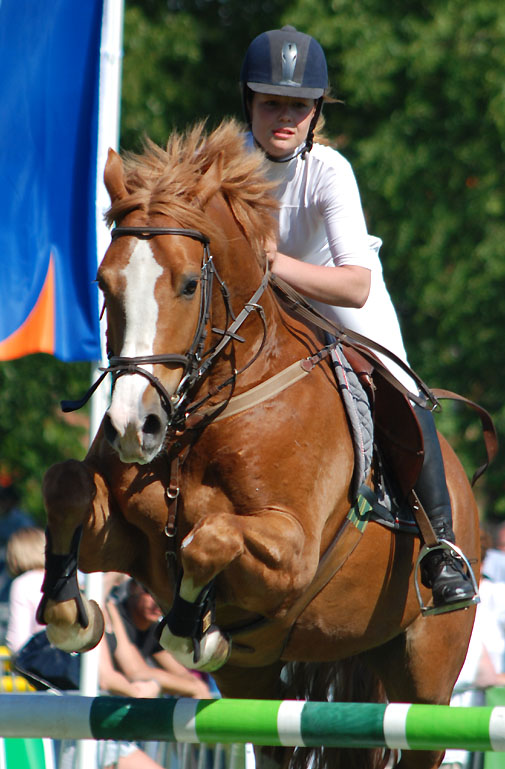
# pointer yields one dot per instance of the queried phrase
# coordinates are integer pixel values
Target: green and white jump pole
(262, 722)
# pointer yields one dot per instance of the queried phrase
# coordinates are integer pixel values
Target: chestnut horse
(234, 513)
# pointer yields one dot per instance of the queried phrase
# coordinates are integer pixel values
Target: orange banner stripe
(36, 334)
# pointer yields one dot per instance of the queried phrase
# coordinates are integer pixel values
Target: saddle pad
(357, 406)
(381, 505)
(385, 509)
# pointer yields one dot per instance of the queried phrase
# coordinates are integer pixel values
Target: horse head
(156, 278)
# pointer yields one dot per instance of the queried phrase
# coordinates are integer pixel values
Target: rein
(196, 363)
(358, 342)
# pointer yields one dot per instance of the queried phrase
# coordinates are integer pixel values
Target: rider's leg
(441, 570)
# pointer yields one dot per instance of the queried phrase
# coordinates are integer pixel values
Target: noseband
(196, 363)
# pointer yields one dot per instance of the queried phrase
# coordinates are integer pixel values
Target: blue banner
(49, 65)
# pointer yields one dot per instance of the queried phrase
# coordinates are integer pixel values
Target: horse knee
(209, 548)
(68, 486)
(68, 490)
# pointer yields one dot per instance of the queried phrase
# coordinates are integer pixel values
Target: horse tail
(348, 680)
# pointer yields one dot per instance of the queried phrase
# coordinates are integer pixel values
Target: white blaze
(141, 317)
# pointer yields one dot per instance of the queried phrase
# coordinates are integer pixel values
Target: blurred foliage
(182, 62)
(423, 123)
(34, 433)
(424, 126)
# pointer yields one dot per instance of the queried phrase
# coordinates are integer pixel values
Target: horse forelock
(166, 182)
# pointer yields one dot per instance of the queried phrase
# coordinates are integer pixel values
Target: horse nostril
(109, 429)
(152, 425)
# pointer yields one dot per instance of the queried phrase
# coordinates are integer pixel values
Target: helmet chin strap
(300, 151)
(309, 141)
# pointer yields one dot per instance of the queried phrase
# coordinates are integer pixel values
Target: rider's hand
(270, 251)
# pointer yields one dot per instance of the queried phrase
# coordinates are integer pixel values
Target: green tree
(182, 62)
(33, 431)
(424, 125)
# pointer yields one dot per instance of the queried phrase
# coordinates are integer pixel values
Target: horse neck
(239, 268)
(234, 257)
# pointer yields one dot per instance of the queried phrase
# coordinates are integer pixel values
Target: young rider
(284, 82)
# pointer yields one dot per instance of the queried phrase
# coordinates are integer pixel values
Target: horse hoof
(215, 649)
(76, 638)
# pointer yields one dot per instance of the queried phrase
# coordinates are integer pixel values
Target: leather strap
(422, 520)
(488, 428)
(361, 343)
(271, 635)
(267, 389)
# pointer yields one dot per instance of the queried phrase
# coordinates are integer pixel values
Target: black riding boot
(441, 570)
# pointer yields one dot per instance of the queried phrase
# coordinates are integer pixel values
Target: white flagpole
(111, 54)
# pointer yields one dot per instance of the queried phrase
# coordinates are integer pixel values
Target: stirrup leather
(444, 544)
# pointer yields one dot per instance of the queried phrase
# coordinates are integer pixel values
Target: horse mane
(166, 181)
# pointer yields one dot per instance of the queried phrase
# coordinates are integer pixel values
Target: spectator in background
(140, 615)
(25, 563)
(113, 679)
(25, 555)
(499, 538)
(491, 610)
(11, 519)
(11, 516)
(484, 666)
(115, 647)
(493, 565)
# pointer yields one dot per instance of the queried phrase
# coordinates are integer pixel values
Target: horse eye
(189, 287)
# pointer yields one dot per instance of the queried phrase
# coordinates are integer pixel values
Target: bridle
(196, 362)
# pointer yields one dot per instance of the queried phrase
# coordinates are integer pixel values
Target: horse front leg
(74, 624)
(267, 561)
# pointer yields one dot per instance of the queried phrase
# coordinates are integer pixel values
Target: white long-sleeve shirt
(321, 222)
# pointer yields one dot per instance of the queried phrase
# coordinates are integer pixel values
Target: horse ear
(210, 181)
(113, 177)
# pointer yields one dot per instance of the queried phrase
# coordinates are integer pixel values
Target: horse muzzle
(136, 432)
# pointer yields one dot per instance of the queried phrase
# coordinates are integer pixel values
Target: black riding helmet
(285, 62)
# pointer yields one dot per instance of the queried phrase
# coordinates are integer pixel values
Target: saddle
(397, 431)
(399, 447)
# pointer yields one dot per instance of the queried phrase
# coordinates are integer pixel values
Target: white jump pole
(111, 53)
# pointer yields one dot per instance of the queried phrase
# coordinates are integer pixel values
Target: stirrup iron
(444, 544)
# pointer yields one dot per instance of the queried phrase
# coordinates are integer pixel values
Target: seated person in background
(113, 680)
(122, 755)
(25, 562)
(140, 615)
(12, 517)
(111, 754)
(115, 648)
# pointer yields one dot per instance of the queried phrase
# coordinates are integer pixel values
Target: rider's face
(280, 123)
